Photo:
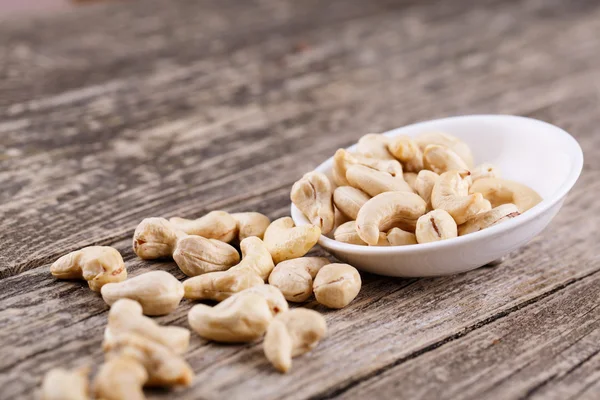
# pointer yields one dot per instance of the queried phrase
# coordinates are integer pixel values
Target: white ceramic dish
(526, 150)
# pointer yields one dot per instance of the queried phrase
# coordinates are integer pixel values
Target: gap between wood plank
(335, 393)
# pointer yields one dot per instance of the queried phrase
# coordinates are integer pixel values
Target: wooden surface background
(117, 112)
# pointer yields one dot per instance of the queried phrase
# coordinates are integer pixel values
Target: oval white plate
(526, 150)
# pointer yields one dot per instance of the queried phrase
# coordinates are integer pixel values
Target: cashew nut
(374, 145)
(251, 224)
(343, 159)
(446, 140)
(398, 237)
(98, 265)
(154, 238)
(336, 285)
(406, 150)
(486, 219)
(295, 277)
(388, 210)
(158, 292)
(410, 178)
(313, 196)
(220, 285)
(349, 200)
(253, 270)
(61, 384)
(217, 225)
(121, 378)
(450, 193)
(275, 299)
(243, 317)
(424, 185)
(163, 365)
(503, 191)
(347, 233)
(285, 241)
(125, 316)
(435, 225)
(196, 255)
(440, 159)
(374, 182)
(291, 334)
(485, 170)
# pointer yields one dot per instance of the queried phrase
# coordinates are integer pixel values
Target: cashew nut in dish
(398, 237)
(374, 182)
(424, 185)
(486, 219)
(285, 241)
(446, 140)
(98, 265)
(196, 255)
(313, 196)
(163, 365)
(251, 224)
(243, 317)
(435, 225)
(410, 178)
(386, 211)
(291, 334)
(406, 150)
(374, 145)
(485, 170)
(61, 384)
(294, 278)
(349, 200)
(158, 292)
(347, 233)
(121, 378)
(125, 316)
(154, 238)
(217, 225)
(220, 285)
(336, 285)
(253, 270)
(451, 193)
(343, 159)
(440, 159)
(503, 191)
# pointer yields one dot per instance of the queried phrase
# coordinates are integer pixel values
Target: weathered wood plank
(531, 351)
(70, 182)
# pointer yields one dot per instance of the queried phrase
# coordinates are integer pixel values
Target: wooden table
(118, 112)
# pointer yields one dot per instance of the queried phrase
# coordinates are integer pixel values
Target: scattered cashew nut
(251, 224)
(407, 150)
(450, 193)
(291, 334)
(349, 200)
(125, 316)
(158, 292)
(155, 238)
(218, 225)
(486, 219)
(219, 285)
(295, 277)
(388, 210)
(435, 225)
(98, 265)
(285, 241)
(374, 182)
(121, 378)
(503, 191)
(313, 196)
(196, 255)
(336, 285)
(61, 384)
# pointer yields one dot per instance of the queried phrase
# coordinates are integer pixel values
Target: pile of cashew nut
(396, 191)
(252, 291)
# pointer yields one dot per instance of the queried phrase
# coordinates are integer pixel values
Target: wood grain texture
(151, 108)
